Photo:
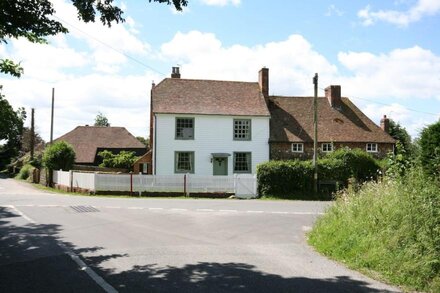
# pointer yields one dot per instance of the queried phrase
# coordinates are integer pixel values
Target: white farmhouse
(209, 127)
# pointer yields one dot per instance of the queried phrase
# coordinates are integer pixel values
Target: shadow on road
(222, 277)
(31, 260)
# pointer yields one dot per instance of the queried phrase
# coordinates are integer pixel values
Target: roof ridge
(210, 80)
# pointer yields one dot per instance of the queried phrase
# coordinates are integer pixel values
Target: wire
(385, 104)
(109, 46)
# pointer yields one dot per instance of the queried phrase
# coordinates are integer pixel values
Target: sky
(384, 54)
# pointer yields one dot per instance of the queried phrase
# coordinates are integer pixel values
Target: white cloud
(221, 2)
(401, 18)
(402, 73)
(332, 10)
(292, 62)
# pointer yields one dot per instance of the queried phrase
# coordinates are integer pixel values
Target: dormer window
(184, 128)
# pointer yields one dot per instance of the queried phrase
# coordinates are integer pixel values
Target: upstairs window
(327, 147)
(242, 129)
(242, 162)
(371, 147)
(184, 128)
(297, 148)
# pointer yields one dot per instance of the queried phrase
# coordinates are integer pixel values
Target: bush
(25, 172)
(59, 155)
(123, 160)
(391, 227)
(295, 178)
(430, 149)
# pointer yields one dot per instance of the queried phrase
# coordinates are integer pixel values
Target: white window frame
(371, 147)
(297, 147)
(325, 147)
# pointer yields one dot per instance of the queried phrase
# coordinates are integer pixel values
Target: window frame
(176, 162)
(297, 144)
(327, 144)
(193, 129)
(372, 150)
(249, 163)
(249, 136)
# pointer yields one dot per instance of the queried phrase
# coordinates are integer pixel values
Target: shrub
(430, 149)
(123, 160)
(287, 179)
(59, 155)
(25, 172)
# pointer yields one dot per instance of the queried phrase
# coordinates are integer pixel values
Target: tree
(123, 160)
(11, 128)
(59, 155)
(430, 149)
(32, 19)
(145, 141)
(101, 120)
(26, 138)
(400, 134)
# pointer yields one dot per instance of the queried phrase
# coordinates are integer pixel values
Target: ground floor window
(242, 162)
(297, 147)
(184, 162)
(327, 147)
(371, 147)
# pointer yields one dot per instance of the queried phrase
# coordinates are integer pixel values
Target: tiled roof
(292, 121)
(190, 96)
(87, 139)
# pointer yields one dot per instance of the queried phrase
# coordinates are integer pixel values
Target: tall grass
(390, 228)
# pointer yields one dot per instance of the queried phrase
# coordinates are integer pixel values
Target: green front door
(220, 166)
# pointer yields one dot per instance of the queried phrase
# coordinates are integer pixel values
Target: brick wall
(283, 150)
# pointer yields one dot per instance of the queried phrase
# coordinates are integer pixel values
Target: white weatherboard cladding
(212, 134)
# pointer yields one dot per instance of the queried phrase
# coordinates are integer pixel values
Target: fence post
(235, 183)
(184, 184)
(255, 185)
(94, 181)
(71, 180)
(140, 184)
(131, 183)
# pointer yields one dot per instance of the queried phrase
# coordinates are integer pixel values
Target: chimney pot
(333, 94)
(175, 73)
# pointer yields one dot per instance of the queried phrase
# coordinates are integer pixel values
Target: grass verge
(389, 230)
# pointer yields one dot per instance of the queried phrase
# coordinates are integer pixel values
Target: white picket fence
(242, 185)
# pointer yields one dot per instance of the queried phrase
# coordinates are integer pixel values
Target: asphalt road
(60, 243)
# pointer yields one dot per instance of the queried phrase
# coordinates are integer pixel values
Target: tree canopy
(11, 128)
(123, 160)
(101, 120)
(34, 20)
(59, 155)
(400, 134)
(430, 149)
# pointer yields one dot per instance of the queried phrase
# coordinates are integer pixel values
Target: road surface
(60, 243)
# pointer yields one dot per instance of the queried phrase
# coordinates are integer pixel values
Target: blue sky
(384, 54)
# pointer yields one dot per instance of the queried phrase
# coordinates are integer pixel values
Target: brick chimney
(175, 73)
(385, 124)
(263, 80)
(333, 94)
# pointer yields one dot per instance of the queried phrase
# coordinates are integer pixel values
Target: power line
(109, 46)
(390, 105)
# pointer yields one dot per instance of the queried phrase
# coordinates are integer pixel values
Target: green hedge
(294, 178)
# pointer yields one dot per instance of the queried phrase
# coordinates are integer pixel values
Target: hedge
(294, 178)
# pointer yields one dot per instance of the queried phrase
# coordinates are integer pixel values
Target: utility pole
(32, 133)
(51, 119)
(315, 134)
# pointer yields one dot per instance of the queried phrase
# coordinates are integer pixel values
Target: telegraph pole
(51, 119)
(32, 141)
(315, 134)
